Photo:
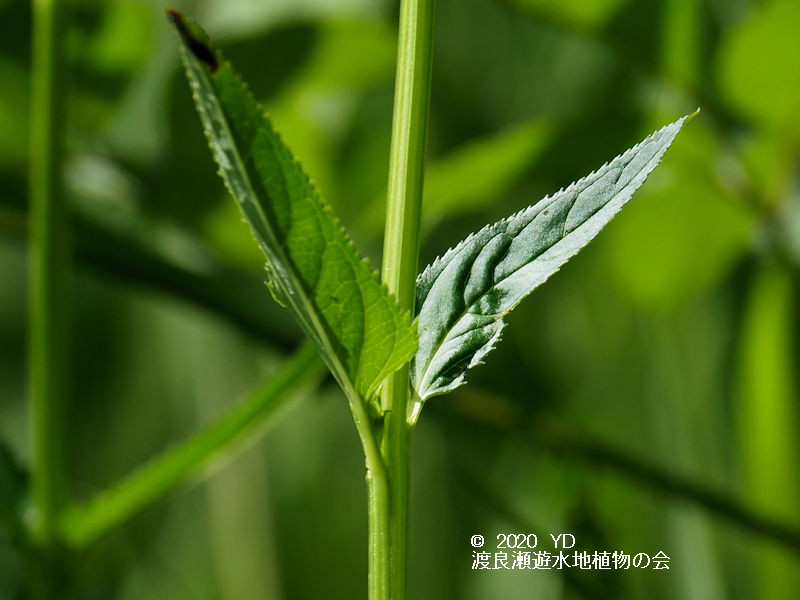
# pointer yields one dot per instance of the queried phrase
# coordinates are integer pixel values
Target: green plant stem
(400, 256)
(49, 269)
(380, 565)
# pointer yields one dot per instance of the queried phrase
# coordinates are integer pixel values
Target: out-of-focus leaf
(313, 268)
(83, 524)
(580, 12)
(759, 73)
(683, 237)
(243, 17)
(501, 83)
(319, 105)
(475, 174)
(125, 36)
(463, 297)
(684, 232)
(351, 53)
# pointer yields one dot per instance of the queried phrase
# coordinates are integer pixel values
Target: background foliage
(645, 399)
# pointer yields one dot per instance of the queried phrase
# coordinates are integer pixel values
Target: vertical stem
(767, 416)
(49, 265)
(407, 158)
(380, 558)
(400, 255)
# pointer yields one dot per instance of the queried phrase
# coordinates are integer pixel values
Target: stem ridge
(389, 515)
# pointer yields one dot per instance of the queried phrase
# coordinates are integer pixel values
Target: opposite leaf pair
(316, 272)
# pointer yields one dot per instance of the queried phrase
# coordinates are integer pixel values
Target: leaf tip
(173, 14)
(201, 49)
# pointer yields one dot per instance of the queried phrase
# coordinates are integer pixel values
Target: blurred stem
(767, 418)
(49, 264)
(400, 256)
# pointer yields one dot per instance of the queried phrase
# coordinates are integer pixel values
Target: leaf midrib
(336, 365)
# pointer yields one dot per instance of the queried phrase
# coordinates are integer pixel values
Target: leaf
(474, 175)
(463, 296)
(312, 266)
(758, 72)
(684, 200)
(83, 524)
(577, 13)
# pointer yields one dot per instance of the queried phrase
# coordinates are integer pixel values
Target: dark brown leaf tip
(197, 47)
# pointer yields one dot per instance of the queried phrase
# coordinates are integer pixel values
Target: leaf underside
(463, 296)
(312, 266)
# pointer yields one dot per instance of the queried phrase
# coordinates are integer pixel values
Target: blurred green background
(644, 400)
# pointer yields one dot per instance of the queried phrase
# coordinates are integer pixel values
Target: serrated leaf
(313, 268)
(463, 296)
